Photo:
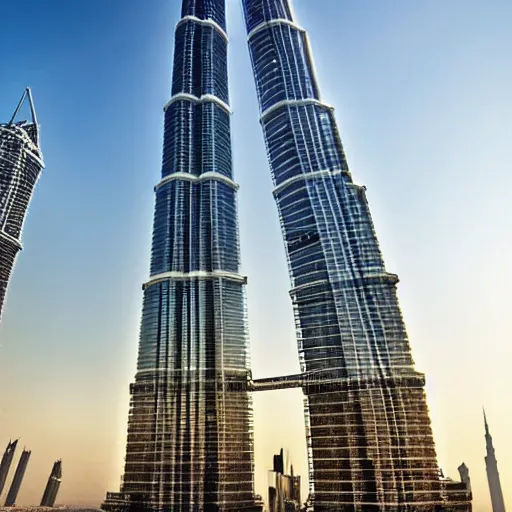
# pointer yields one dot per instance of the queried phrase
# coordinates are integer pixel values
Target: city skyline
(373, 191)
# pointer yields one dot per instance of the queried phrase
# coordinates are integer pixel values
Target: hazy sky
(422, 96)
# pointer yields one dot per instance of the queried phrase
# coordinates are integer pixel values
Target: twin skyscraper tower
(190, 439)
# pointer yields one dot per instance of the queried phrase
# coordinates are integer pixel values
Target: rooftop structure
(464, 475)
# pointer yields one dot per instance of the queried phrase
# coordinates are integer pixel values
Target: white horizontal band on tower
(206, 176)
(11, 239)
(195, 274)
(210, 23)
(306, 176)
(205, 98)
(383, 276)
(305, 286)
(294, 103)
(271, 23)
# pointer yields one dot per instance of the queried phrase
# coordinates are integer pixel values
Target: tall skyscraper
(368, 429)
(493, 476)
(52, 486)
(190, 445)
(21, 162)
(5, 464)
(10, 501)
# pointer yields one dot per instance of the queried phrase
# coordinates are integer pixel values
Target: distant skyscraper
(493, 476)
(464, 475)
(52, 487)
(5, 465)
(21, 162)
(284, 489)
(190, 445)
(369, 436)
(18, 479)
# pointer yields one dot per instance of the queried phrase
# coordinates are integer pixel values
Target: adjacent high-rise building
(21, 162)
(10, 501)
(52, 486)
(190, 440)
(5, 464)
(368, 429)
(493, 476)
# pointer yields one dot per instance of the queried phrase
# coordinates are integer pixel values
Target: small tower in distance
(10, 501)
(5, 464)
(52, 487)
(493, 476)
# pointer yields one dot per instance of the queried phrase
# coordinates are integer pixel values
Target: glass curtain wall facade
(369, 437)
(21, 162)
(190, 441)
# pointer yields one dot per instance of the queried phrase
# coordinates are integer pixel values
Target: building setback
(52, 487)
(369, 437)
(20, 165)
(5, 464)
(493, 476)
(10, 501)
(190, 445)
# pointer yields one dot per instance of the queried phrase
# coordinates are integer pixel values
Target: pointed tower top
(32, 128)
(27, 94)
(485, 422)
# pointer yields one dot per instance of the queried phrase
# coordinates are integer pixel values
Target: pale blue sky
(422, 96)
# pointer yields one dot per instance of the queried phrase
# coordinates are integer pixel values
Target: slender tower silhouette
(5, 464)
(52, 486)
(189, 445)
(20, 166)
(493, 476)
(10, 501)
(369, 437)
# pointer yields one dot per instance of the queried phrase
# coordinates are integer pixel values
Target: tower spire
(27, 94)
(485, 423)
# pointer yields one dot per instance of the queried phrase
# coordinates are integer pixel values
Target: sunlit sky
(422, 97)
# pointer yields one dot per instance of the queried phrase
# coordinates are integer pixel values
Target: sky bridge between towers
(314, 381)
